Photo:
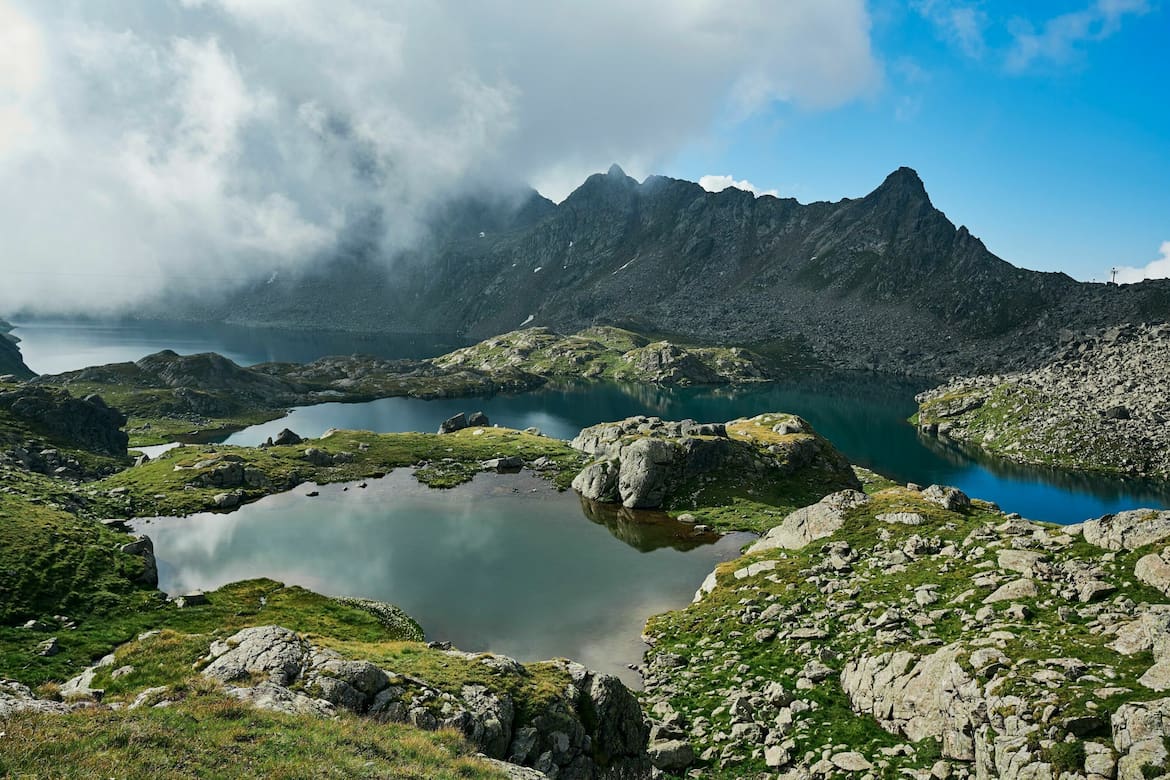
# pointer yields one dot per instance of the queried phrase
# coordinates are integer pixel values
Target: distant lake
(55, 346)
(504, 564)
(863, 414)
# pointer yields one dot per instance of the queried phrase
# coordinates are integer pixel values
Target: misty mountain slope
(885, 281)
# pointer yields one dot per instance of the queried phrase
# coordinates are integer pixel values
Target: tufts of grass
(209, 735)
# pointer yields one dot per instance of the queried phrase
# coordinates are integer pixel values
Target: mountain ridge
(886, 281)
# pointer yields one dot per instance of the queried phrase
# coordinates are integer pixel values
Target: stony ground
(1101, 405)
(915, 633)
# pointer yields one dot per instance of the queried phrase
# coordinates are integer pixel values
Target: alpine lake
(506, 563)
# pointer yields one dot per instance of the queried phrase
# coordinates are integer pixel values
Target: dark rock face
(884, 281)
(594, 729)
(87, 423)
(454, 423)
(11, 361)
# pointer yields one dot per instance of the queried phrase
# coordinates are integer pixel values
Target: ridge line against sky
(143, 138)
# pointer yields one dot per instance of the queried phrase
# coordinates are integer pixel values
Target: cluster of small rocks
(1101, 404)
(35, 456)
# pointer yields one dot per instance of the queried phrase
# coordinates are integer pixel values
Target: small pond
(505, 564)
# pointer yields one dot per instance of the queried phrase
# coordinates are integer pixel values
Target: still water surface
(863, 414)
(55, 346)
(505, 563)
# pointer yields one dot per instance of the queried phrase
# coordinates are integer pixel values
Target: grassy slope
(208, 735)
(714, 622)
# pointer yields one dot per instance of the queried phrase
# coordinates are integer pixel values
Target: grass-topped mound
(195, 478)
(210, 735)
(742, 475)
(608, 353)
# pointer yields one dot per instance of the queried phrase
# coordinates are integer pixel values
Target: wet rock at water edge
(454, 423)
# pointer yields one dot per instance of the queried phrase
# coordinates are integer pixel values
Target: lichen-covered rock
(811, 522)
(1128, 530)
(931, 696)
(270, 651)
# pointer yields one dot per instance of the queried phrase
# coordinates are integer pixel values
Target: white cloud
(715, 183)
(963, 25)
(1155, 269)
(151, 143)
(1056, 40)
(22, 71)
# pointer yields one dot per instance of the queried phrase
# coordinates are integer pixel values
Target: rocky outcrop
(646, 462)
(11, 361)
(16, 698)
(1100, 404)
(593, 728)
(919, 696)
(85, 423)
(1001, 647)
(810, 523)
(1127, 530)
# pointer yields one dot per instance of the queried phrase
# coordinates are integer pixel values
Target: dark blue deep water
(863, 414)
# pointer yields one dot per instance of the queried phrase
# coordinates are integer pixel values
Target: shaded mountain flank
(883, 282)
(11, 362)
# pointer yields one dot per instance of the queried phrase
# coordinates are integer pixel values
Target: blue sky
(1059, 159)
(142, 138)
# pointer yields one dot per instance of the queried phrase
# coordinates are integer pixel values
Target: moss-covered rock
(714, 471)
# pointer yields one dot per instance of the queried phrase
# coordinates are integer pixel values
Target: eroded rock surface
(594, 728)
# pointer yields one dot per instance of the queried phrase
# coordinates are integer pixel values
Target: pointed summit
(903, 185)
(616, 171)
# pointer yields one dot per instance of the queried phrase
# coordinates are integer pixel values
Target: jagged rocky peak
(903, 189)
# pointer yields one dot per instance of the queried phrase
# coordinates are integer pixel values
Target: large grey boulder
(454, 423)
(143, 547)
(1128, 530)
(1153, 570)
(920, 697)
(271, 651)
(645, 471)
(950, 498)
(809, 523)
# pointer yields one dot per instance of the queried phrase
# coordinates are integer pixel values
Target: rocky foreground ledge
(917, 633)
(1101, 405)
